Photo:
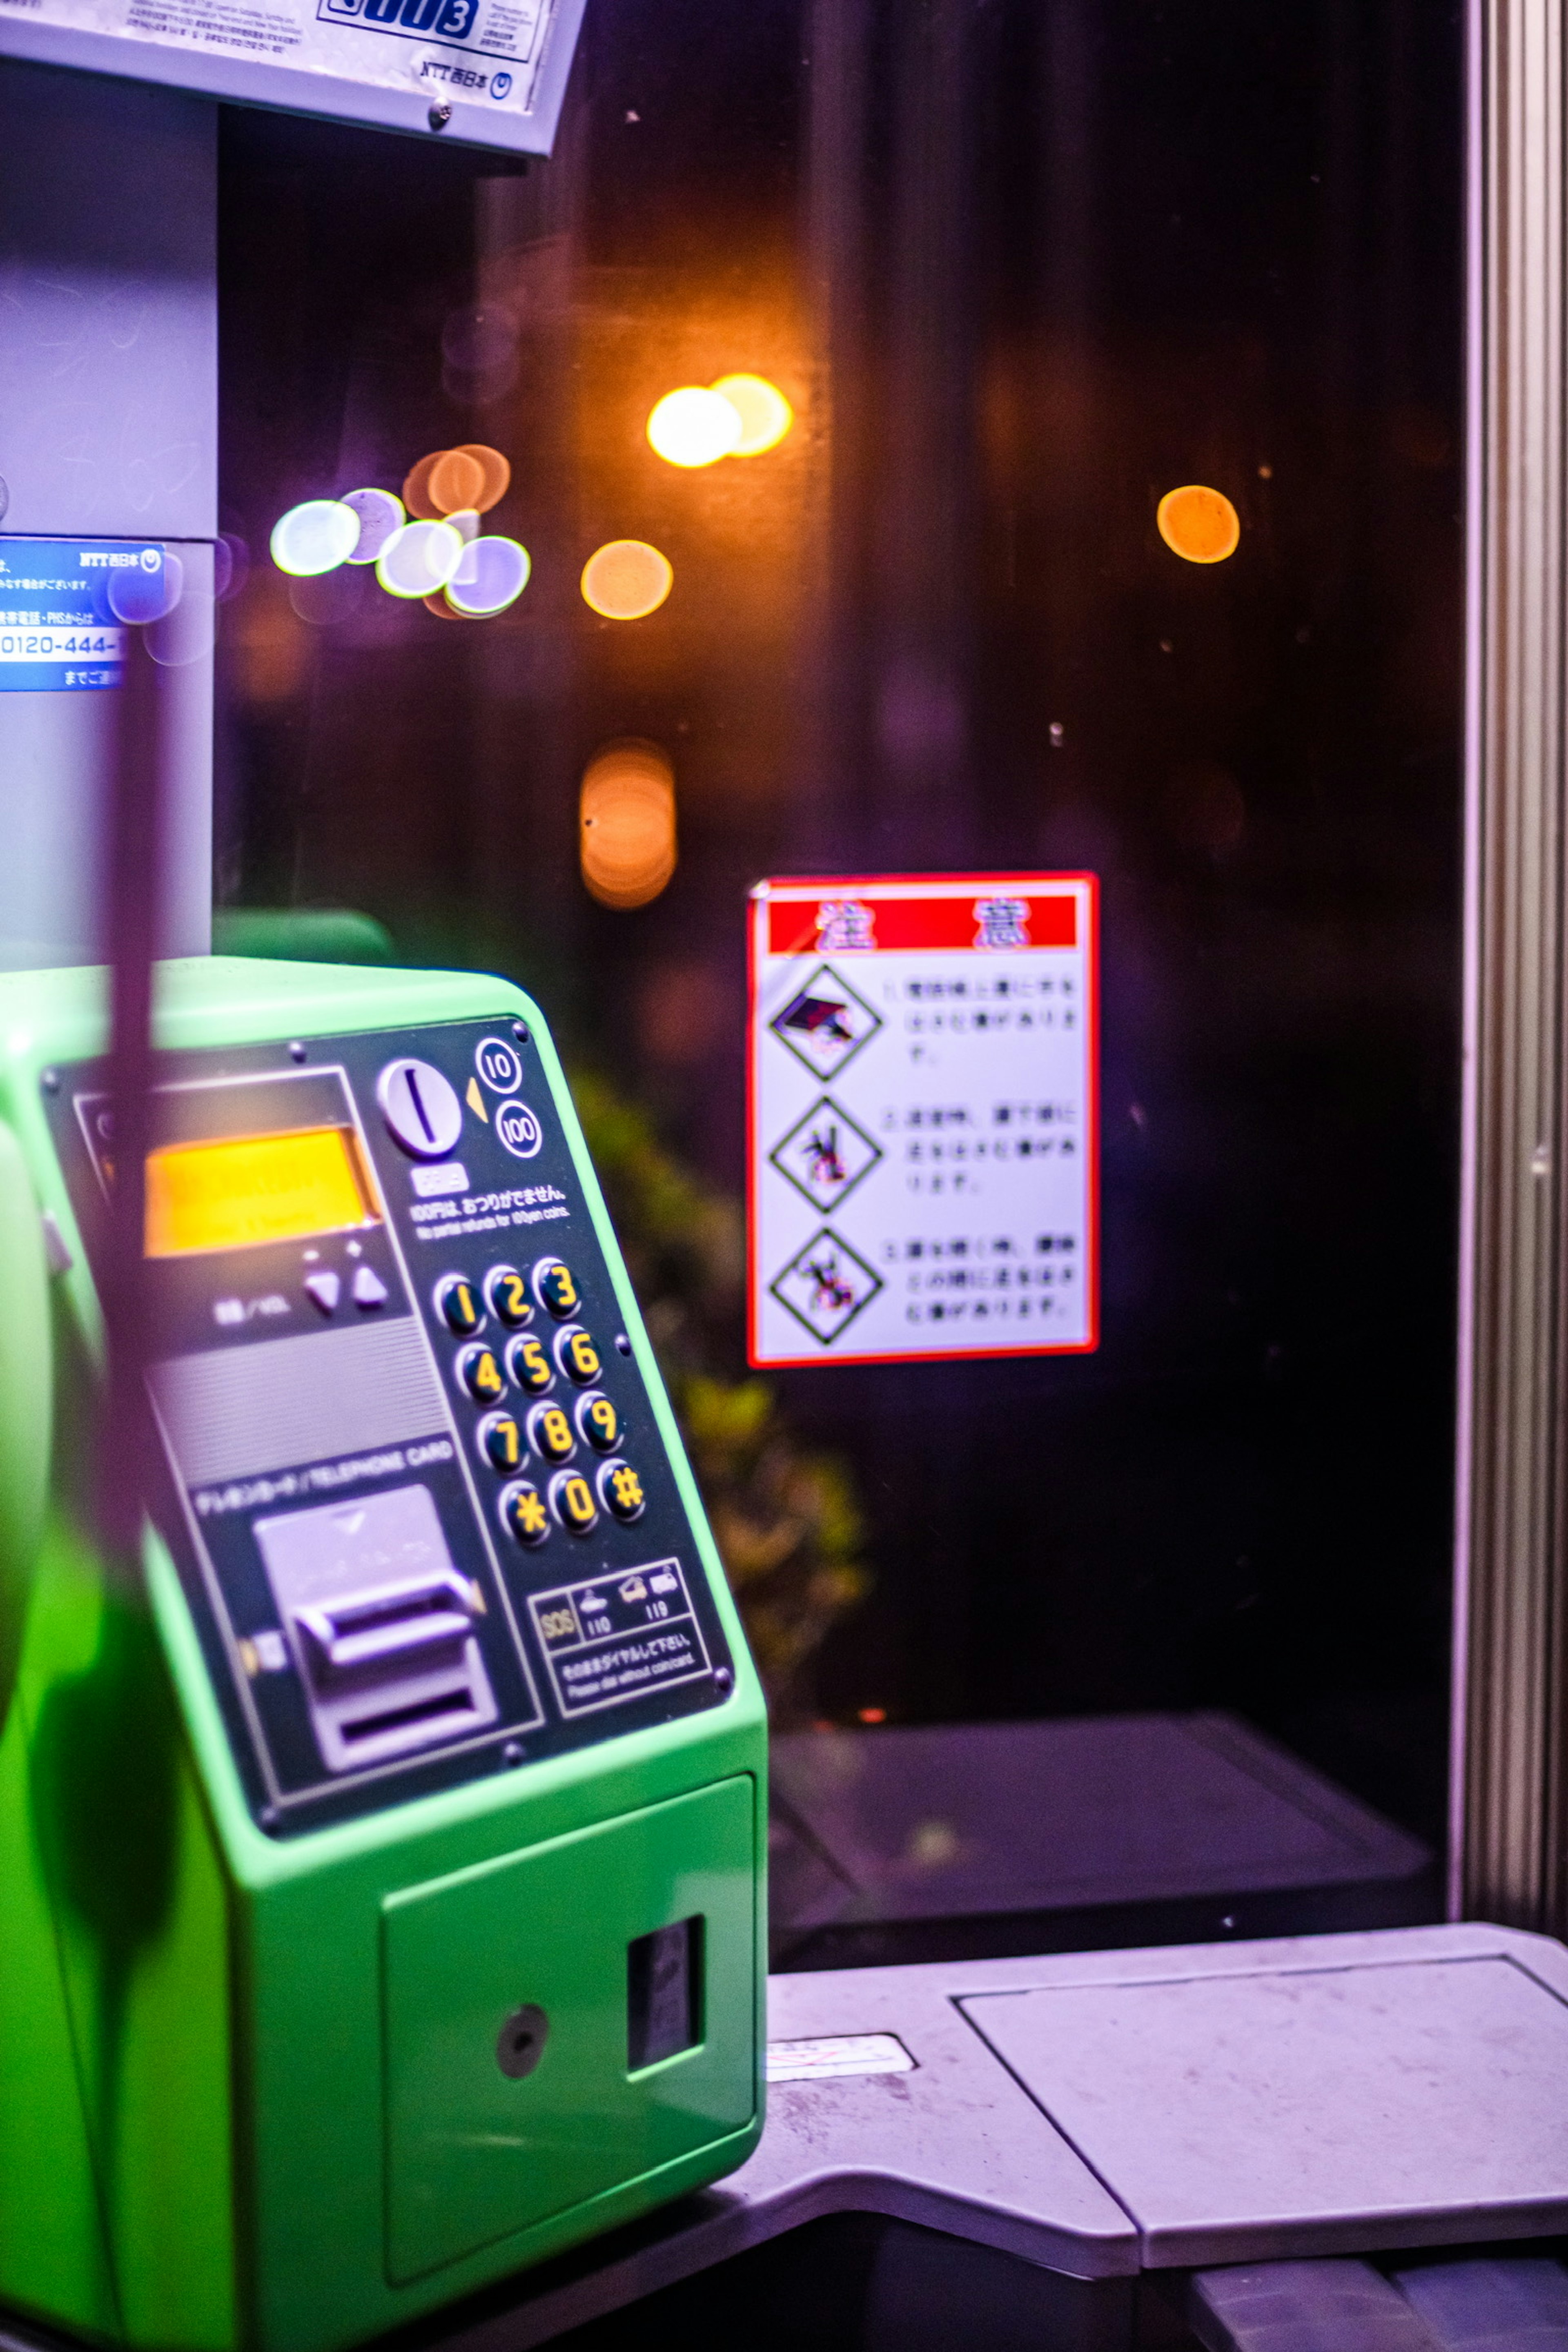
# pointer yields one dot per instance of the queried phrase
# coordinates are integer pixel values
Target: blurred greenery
(785, 1516)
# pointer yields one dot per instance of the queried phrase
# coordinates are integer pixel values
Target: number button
(480, 1374)
(620, 1491)
(506, 1295)
(457, 1302)
(576, 1355)
(529, 1365)
(554, 1287)
(500, 1440)
(550, 1432)
(522, 1512)
(572, 1500)
(598, 1422)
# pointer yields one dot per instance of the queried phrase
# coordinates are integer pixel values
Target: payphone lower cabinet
(468, 2161)
(383, 1854)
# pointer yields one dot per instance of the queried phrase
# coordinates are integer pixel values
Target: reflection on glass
(694, 428)
(380, 514)
(627, 580)
(492, 574)
(1198, 524)
(627, 817)
(419, 559)
(315, 537)
(765, 415)
(1020, 272)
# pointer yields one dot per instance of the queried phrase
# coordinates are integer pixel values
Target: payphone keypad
(421, 1503)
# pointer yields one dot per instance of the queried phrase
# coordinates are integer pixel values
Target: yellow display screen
(245, 1188)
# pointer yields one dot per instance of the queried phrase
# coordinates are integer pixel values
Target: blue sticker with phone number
(63, 604)
(501, 29)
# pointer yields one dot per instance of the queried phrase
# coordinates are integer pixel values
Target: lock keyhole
(519, 2045)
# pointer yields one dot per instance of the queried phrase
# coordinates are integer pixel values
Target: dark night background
(1021, 266)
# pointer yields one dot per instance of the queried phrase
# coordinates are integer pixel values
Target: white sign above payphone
(486, 73)
(64, 604)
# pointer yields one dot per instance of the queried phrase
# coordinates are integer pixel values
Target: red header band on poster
(796, 926)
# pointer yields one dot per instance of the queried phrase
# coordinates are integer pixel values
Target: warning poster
(924, 1143)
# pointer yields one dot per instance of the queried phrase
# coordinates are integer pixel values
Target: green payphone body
(383, 1884)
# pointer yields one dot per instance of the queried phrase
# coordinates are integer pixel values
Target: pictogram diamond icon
(825, 1284)
(826, 1023)
(825, 1154)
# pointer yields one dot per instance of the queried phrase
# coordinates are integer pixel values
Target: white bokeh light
(419, 559)
(315, 537)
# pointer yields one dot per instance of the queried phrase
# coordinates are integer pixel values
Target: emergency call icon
(825, 1284)
(826, 1023)
(825, 1154)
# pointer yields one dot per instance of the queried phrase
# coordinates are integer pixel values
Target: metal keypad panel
(422, 1509)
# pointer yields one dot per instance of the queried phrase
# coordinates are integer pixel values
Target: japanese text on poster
(923, 1141)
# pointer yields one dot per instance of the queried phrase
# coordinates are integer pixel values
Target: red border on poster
(803, 888)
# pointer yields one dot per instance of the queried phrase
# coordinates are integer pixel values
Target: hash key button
(621, 1491)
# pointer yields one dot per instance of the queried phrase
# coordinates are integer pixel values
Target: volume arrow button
(325, 1289)
(369, 1288)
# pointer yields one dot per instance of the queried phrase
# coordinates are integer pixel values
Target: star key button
(522, 1512)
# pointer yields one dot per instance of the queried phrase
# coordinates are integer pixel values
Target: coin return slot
(664, 1993)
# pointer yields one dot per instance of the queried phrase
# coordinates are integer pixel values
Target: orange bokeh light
(472, 477)
(455, 481)
(627, 580)
(1198, 524)
(627, 823)
(496, 469)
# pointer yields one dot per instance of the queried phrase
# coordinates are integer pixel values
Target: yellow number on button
(554, 1433)
(575, 1502)
(529, 1364)
(509, 1296)
(580, 1356)
(601, 1423)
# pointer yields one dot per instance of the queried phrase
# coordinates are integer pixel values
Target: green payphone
(382, 1886)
